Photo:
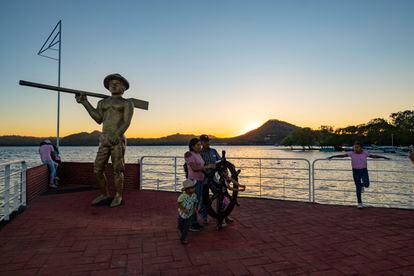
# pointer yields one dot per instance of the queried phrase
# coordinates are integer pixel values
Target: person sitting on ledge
(46, 151)
(359, 168)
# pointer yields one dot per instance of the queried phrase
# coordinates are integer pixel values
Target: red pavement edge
(64, 235)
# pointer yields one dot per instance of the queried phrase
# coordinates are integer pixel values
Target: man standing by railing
(210, 156)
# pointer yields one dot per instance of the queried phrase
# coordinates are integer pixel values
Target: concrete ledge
(81, 174)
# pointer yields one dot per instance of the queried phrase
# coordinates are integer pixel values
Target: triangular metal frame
(53, 42)
(49, 45)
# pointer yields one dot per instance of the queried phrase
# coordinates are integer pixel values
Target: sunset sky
(217, 67)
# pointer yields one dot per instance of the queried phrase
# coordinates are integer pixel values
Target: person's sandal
(196, 228)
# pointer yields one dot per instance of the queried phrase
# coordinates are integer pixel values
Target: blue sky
(218, 67)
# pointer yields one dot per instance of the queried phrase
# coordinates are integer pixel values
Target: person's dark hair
(192, 143)
(204, 138)
(185, 167)
(358, 143)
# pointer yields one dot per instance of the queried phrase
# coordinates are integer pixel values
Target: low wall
(75, 174)
(81, 174)
(37, 182)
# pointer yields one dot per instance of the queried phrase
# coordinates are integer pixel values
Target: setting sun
(250, 126)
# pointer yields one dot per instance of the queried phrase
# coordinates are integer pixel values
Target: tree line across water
(398, 129)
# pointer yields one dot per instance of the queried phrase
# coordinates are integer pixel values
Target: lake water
(133, 153)
(392, 182)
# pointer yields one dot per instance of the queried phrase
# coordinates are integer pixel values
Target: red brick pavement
(64, 235)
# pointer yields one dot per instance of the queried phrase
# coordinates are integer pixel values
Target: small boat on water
(381, 149)
(348, 148)
(374, 149)
(403, 151)
(331, 148)
(388, 149)
(327, 149)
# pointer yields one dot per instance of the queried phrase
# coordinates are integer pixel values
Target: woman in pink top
(195, 168)
(46, 151)
(359, 168)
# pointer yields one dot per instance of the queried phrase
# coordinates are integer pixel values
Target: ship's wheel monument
(218, 201)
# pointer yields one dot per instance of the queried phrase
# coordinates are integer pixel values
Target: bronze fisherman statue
(115, 114)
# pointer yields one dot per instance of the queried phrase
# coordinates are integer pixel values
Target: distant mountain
(270, 133)
(175, 139)
(15, 140)
(81, 139)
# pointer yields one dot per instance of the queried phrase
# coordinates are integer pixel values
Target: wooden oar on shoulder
(137, 103)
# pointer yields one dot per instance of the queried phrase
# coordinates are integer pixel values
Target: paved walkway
(64, 235)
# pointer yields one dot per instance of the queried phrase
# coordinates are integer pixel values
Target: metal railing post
(309, 180)
(412, 197)
(6, 192)
(313, 181)
(175, 173)
(260, 178)
(16, 196)
(23, 183)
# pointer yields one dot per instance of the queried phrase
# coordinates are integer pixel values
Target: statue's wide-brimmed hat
(115, 76)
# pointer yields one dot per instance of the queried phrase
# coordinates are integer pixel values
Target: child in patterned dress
(186, 208)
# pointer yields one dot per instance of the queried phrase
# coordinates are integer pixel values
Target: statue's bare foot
(100, 199)
(116, 202)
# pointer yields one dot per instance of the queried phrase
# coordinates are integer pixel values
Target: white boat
(403, 151)
(374, 149)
